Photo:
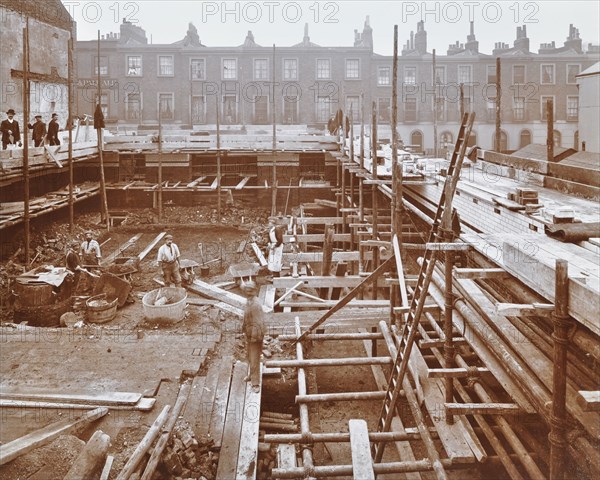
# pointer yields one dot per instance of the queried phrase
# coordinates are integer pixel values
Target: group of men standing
(11, 132)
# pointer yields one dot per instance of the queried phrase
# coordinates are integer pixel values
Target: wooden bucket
(33, 294)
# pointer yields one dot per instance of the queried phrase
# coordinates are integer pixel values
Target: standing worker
(39, 131)
(254, 329)
(11, 134)
(275, 249)
(168, 259)
(90, 250)
(53, 130)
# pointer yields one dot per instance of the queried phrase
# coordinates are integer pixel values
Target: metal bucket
(168, 313)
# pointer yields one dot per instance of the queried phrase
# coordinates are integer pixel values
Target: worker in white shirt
(90, 250)
(168, 259)
(275, 249)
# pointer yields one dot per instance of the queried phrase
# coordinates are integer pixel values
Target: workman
(168, 259)
(275, 249)
(254, 330)
(90, 250)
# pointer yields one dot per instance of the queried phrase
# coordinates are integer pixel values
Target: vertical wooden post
(26, 219)
(352, 164)
(361, 195)
(396, 167)
(218, 161)
(103, 196)
(160, 172)
(374, 190)
(274, 192)
(498, 105)
(550, 130)
(560, 335)
(434, 84)
(70, 127)
(462, 100)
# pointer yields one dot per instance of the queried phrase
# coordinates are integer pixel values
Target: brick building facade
(186, 81)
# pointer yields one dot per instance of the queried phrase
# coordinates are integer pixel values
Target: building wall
(589, 112)
(342, 90)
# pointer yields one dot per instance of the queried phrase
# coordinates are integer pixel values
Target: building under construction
(433, 317)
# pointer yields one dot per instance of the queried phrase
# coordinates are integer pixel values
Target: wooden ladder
(410, 326)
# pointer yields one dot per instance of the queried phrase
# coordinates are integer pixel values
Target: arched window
(416, 140)
(446, 143)
(557, 138)
(525, 138)
(503, 141)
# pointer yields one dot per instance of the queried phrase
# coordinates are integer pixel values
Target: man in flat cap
(254, 330)
(168, 259)
(11, 135)
(90, 250)
(53, 130)
(39, 131)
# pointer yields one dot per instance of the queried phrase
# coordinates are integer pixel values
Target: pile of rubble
(187, 458)
(237, 216)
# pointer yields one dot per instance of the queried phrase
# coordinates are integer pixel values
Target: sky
(333, 23)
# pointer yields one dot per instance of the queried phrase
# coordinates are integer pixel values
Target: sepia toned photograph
(267, 240)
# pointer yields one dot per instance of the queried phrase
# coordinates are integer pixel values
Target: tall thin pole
(498, 104)
(191, 96)
(550, 130)
(26, 138)
(274, 191)
(462, 100)
(352, 177)
(361, 196)
(435, 119)
(160, 172)
(218, 162)
(70, 127)
(374, 190)
(104, 200)
(396, 171)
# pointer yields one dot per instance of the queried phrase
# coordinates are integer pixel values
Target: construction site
(433, 317)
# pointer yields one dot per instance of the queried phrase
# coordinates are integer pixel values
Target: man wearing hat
(254, 329)
(11, 135)
(53, 130)
(90, 250)
(168, 259)
(39, 131)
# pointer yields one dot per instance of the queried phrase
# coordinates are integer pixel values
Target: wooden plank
(455, 372)
(439, 247)
(144, 405)
(269, 301)
(480, 273)
(248, 451)
(206, 289)
(518, 309)
(243, 183)
(233, 424)
(589, 401)
(286, 456)
(204, 411)
(325, 304)
(104, 398)
(317, 257)
(213, 185)
(259, 255)
(20, 446)
(150, 246)
(318, 281)
(310, 220)
(481, 408)
(315, 238)
(217, 420)
(362, 464)
(120, 249)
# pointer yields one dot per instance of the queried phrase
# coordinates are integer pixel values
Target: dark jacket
(53, 133)
(254, 323)
(39, 130)
(5, 126)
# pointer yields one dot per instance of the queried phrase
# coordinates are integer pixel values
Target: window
(261, 110)
(572, 72)
(353, 104)
(446, 140)
(133, 106)
(518, 74)
(383, 76)
(547, 74)
(323, 69)
(166, 66)
(464, 74)
(103, 66)
(134, 65)
(383, 110)
(491, 109)
(165, 106)
(261, 69)
(197, 69)
(440, 108)
(290, 110)
(229, 69)
(410, 110)
(198, 109)
(557, 137)
(352, 69)
(525, 138)
(468, 103)
(416, 140)
(323, 109)
(572, 107)
(229, 109)
(491, 74)
(103, 103)
(440, 75)
(290, 69)
(519, 108)
(410, 75)
(543, 101)
(503, 141)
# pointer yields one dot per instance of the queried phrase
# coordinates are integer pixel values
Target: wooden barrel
(33, 294)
